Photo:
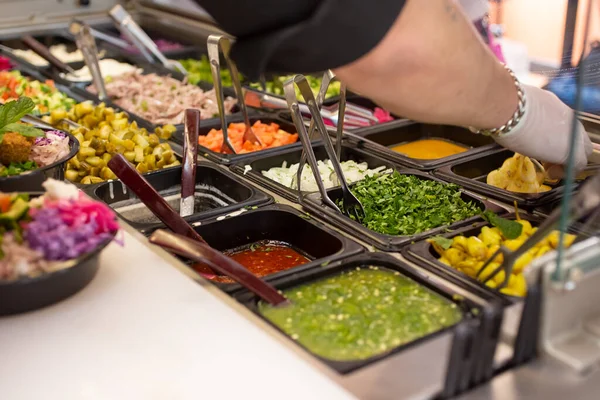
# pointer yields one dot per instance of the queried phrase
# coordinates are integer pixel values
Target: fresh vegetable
(469, 254)
(519, 175)
(45, 96)
(269, 134)
(17, 168)
(5, 64)
(275, 86)
(398, 204)
(361, 313)
(107, 132)
(353, 172)
(199, 71)
(38, 235)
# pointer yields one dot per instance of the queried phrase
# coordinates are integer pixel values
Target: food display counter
(388, 304)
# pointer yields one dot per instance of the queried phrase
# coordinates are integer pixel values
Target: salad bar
(376, 252)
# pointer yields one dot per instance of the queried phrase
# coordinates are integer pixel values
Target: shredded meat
(20, 260)
(162, 99)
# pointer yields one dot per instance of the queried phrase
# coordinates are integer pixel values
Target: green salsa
(361, 313)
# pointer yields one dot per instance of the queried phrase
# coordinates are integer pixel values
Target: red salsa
(262, 259)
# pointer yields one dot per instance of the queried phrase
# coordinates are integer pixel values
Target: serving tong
(585, 203)
(352, 207)
(87, 45)
(131, 30)
(40, 123)
(217, 44)
(190, 161)
(355, 117)
(185, 241)
(328, 76)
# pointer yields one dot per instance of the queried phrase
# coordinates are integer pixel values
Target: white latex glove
(544, 132)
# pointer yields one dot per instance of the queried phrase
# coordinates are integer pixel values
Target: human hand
(544, 132)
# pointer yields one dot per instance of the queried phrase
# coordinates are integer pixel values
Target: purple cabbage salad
(67, 228)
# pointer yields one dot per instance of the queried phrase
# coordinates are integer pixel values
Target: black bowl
(28, 294)
(31, 181)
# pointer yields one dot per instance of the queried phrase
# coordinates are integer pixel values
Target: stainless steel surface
(190, 162)
(215, 68)
(109, 38)
(87, 44)
(35, 121)
(132, 30)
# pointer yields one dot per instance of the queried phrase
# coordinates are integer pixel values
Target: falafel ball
(15, 148)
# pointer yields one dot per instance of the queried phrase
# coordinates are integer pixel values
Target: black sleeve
(284, 36)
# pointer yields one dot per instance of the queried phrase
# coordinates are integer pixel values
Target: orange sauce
(429, 149)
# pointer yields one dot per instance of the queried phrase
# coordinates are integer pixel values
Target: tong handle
(190, 154)
(137, 35)
(212, 45)
(341, 119)
(292, 100)
(307, 93)
(45, 53)
(87, 44)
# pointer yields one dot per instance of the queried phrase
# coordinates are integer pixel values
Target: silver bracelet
(514, 120)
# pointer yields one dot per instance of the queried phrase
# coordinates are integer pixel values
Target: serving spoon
(185, 241)
(190, 161)
(45, 53)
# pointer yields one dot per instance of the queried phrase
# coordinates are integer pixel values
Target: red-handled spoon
(203, 253)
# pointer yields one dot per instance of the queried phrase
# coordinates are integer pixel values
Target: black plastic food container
(452, 346)
(283, 224)
(292, 156)
(380, 138)
(517, 311)
(227, 159)
(218, 192)
(31, 181)
(472, 174)
(384, 242)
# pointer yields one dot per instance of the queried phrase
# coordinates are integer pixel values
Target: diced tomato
(4, 203)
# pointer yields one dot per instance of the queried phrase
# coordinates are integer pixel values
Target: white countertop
(144, 330)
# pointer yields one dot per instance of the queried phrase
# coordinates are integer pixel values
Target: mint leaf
(443, 242)
(24, 130)
(510, 229)
(14, 110)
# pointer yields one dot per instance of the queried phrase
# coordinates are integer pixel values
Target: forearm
(432, 67)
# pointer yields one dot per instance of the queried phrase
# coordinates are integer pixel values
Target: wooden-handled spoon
(201, 252)
(150, 197)
(45, 53)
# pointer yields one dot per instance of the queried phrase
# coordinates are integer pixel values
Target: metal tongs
(131, 30)
(586, 203)
(328, 76)
(352, 207)
(87, 45)
(215, 44)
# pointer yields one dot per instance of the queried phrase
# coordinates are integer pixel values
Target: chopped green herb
(397, 204)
